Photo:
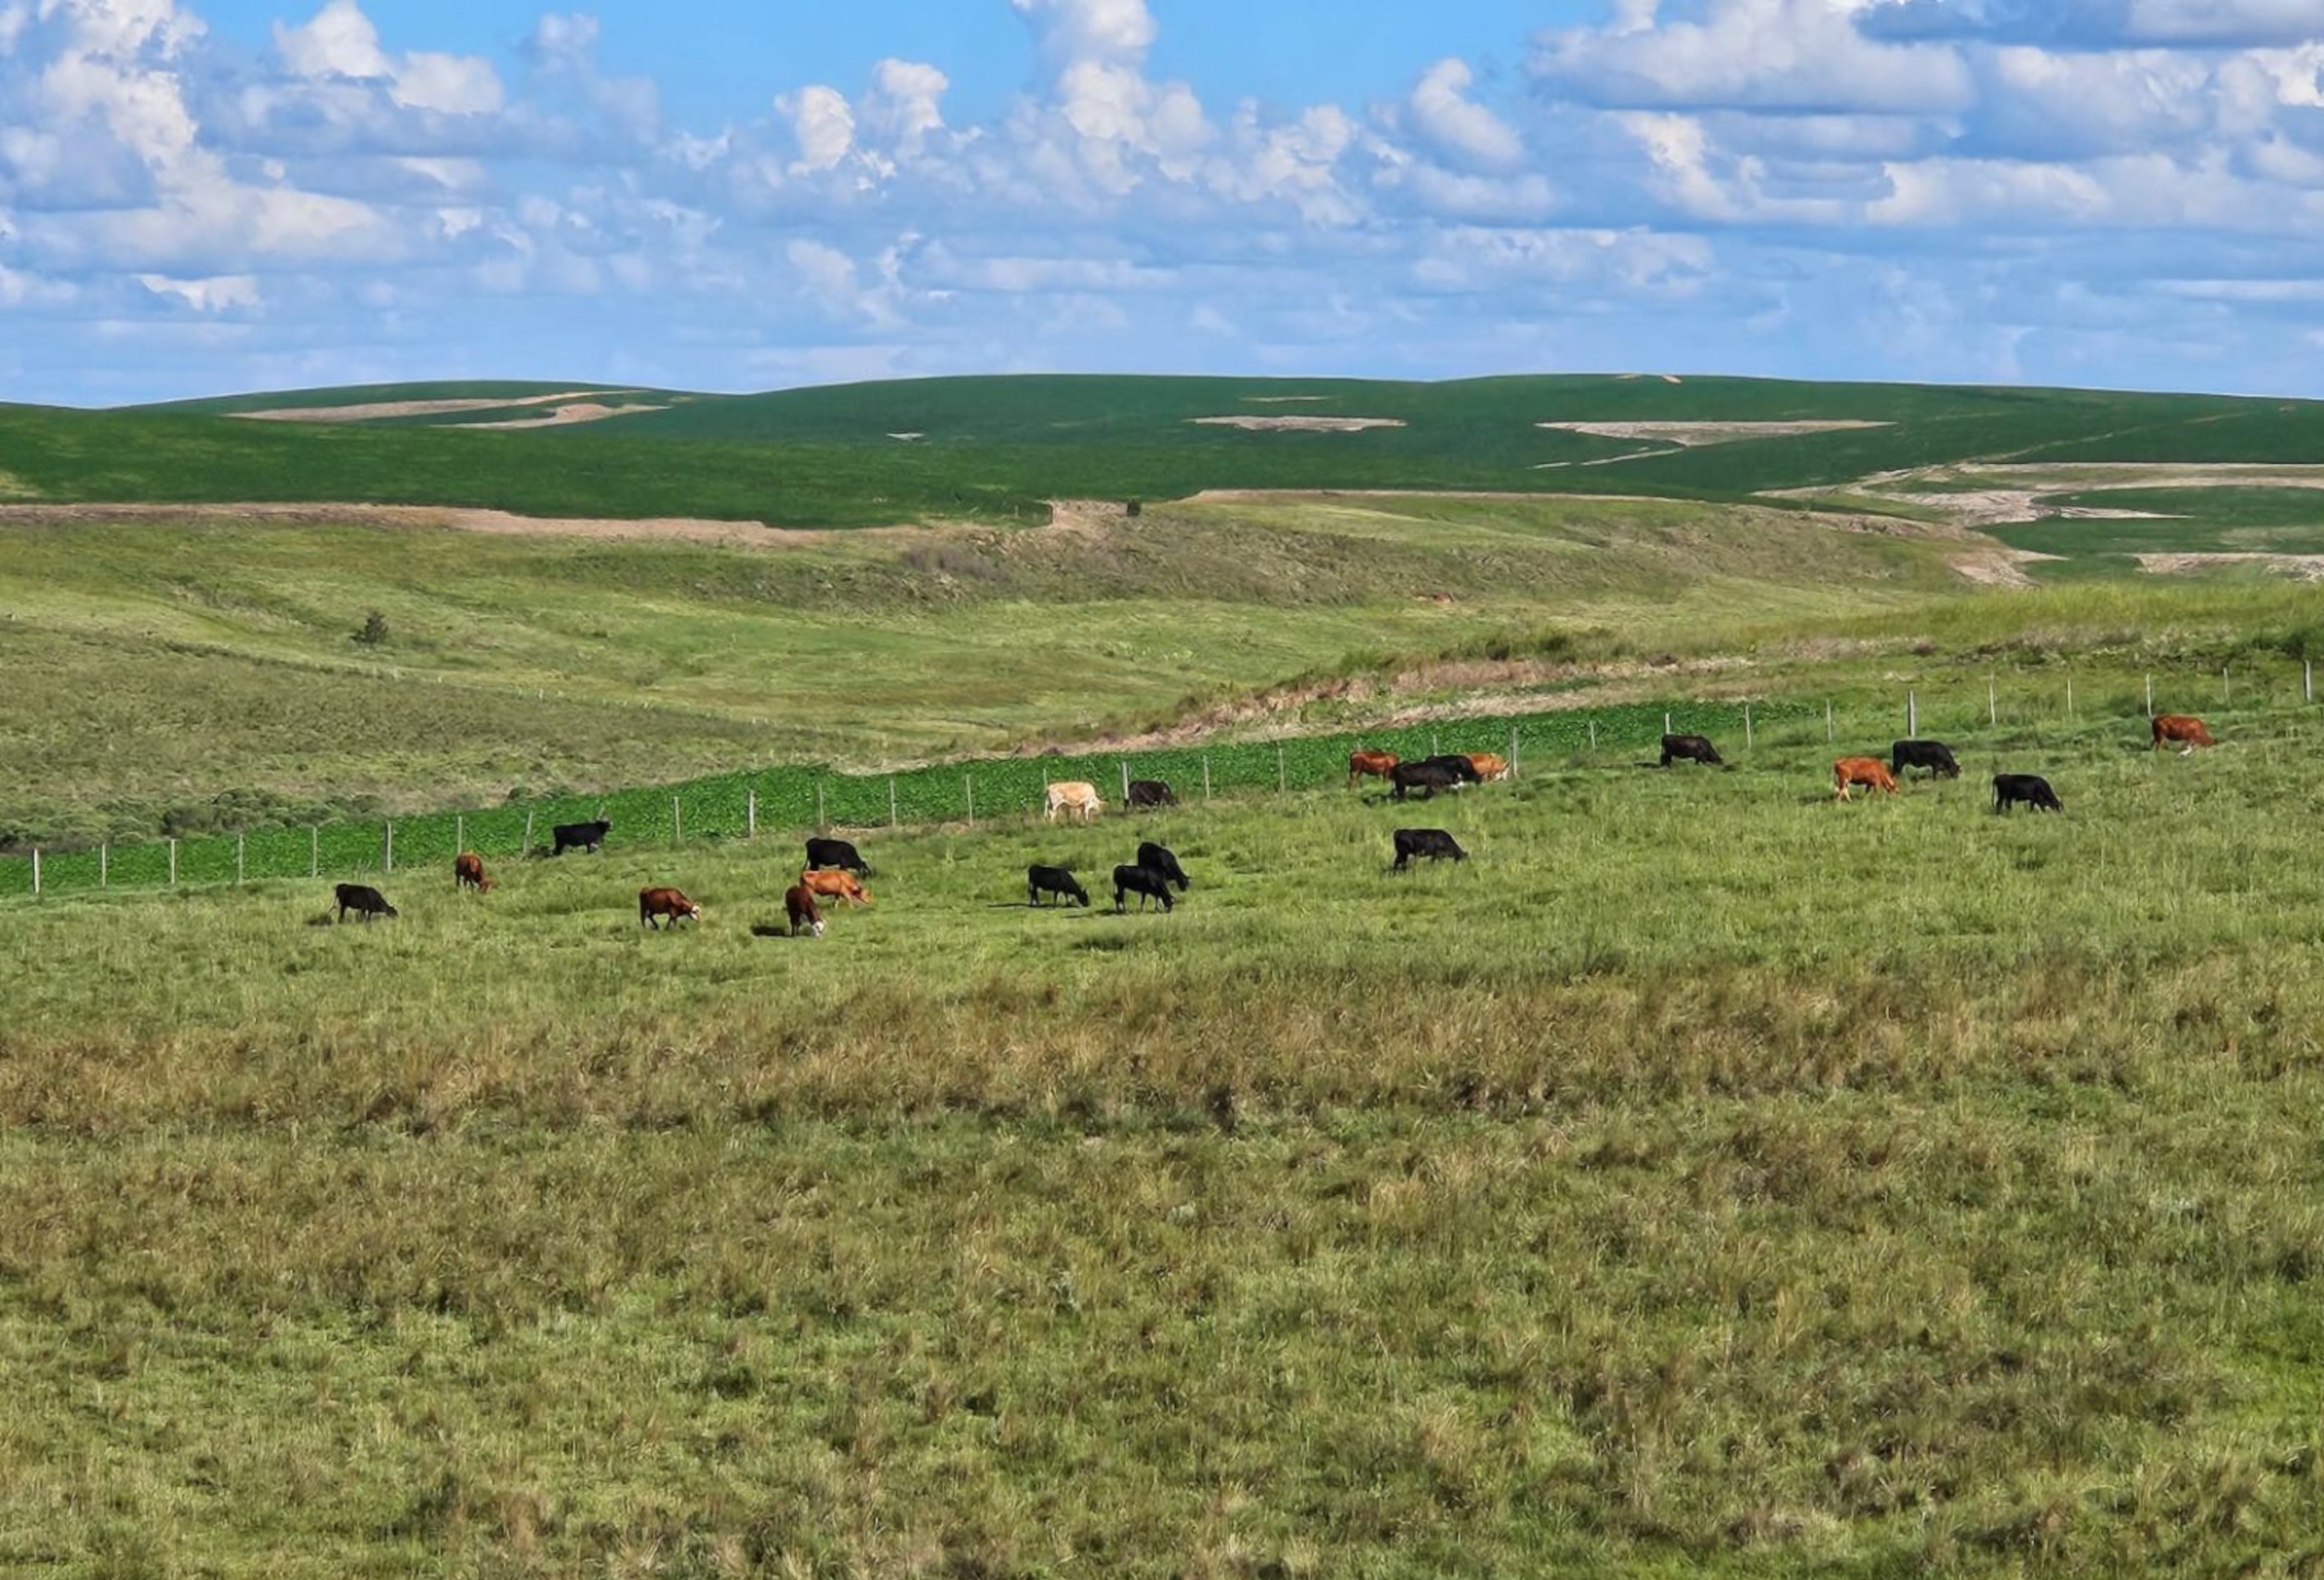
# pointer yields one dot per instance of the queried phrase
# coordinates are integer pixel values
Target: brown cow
(1871, 772)
(1376, 764)
(800, 905)
(467, 872)
(837, 886)
(664, 903)
(2183, 727)
(1488, 765)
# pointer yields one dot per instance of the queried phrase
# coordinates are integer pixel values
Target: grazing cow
(2031, 788)
(1871, 772)
(1489, 764)
(1460, 765)
(1374, 764)
(1145, 882)
(467, 872)
(1060, 881)
(667, 903)
(1158, 859)
(1151, 792)
(1693, 749)
(363, 900)
(580, 836)
(1935, 756)
(800, 906)
(836, 853)
(1434, 843)
(1426, 777)
(2183, 728)
(1074, 796)
(835, 885)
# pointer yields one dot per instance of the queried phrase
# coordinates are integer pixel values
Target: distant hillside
(994, 449)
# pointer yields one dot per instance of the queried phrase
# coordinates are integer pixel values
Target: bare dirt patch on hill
(1298, 424)
(372, 411)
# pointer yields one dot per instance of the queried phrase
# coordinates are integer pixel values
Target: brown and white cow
(1488, 765)
(835, 885)
(800, 906)
(1871, 772)
(2183, 728)
(1074, 796)
(467, 872)
(1376, 765)
(668, 904)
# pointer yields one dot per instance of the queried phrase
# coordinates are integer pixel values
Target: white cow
(1074, 796)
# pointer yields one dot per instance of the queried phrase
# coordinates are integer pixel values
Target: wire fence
(788, 800)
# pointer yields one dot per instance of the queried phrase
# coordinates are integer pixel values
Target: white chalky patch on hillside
(1301, 425)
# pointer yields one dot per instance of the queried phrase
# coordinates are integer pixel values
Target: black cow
(1151, 792)
(363, 900)
(1157, 859)
(1145, 882)
(1425, 777)
(836, 853)
(1693, 749)
(1060, 881)
(1463, 771)
(1935, 756)
(1434, 843)
(2030, 788)
(580, 836)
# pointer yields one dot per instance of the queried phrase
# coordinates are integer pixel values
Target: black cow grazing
(1935, 756)
(2030, 788)
(580, 836)
(1693, 749)
(1434, 843)
(1145, 882)
(1426, 777)
(1151, 792)
(1462, 768)
(1157, 859)
(836, 853)
(1060, 881)
(363, 900)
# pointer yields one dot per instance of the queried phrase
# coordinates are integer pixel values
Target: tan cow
(1488, 765)
(1074, 796)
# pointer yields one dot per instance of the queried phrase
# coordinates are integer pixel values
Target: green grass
(2206, 521)
(1704, 1178)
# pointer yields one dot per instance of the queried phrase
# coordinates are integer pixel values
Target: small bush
(374, 630)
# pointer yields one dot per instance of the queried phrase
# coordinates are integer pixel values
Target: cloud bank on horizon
(2079, 191)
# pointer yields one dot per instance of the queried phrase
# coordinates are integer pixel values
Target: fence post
(1594, 737)
(2225, 696)
(1747, 724)
(1205, 776)
(528, 831)
(1435, 745)
(104, 864)
(891, 800)
(2307, 679)
(819, 823)
(314, 851)
(238, 851)
(750, 813)
(1828, 737)
(1912, 715)
(967, 789)
(1281, 784)
(1125, 768)
(1512, 750)
(1666, 721)
(1992, 709)
(2150, 694)
(173, 864)
(2070, 697)
(677, 823)
(459, 833)
(387, 848)
(35, 871)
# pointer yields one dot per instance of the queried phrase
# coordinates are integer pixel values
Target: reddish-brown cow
(667, 903)
(2183, 728)
(800, 905)
(467, 872)
(1375, 764)
(835, 885)
(1871, 772)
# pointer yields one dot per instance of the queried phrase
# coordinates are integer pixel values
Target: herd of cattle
(834, 870)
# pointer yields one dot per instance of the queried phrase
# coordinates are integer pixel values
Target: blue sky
(202, 195)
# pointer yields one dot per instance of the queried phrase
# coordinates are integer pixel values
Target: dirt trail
(744, 534)
(1689, 434)
(374, 409)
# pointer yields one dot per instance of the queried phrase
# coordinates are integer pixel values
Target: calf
(1426, 777)
(2183, 728)
(467, 872)
(1935, 756)
(363, 900)
(667, 903)
(836, 886)
(1433, 843)
(1060, 881)
(2031, 788)
(1375, 764)
(1871, 772)
(1157, 859)
(580, 836)
(800, 906)
(1151, 792)
(1690, 748)
(1145, 882)
(836, 853)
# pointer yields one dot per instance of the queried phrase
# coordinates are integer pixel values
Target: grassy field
(1703, 1177)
